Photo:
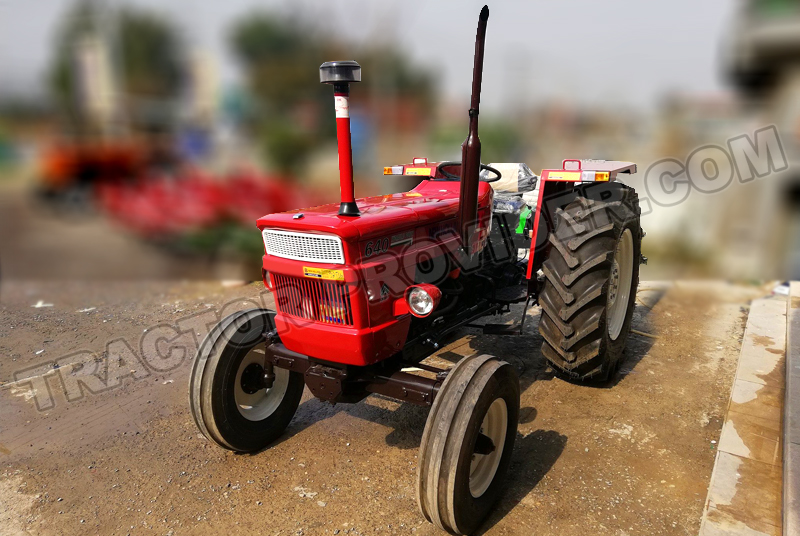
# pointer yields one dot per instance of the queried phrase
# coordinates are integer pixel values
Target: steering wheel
(449, 175)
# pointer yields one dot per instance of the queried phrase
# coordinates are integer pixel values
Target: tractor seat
(515, 190)
(516, 178)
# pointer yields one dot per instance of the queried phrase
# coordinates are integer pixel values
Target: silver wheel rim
(619, 288)
(484, 466)
(263, 403)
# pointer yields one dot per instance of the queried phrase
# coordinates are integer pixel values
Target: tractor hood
(430, 202)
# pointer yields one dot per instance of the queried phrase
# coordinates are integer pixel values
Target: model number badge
(322, 273)
(382, 245)
(375, 247)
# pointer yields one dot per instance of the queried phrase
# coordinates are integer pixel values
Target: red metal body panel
(349, 346)
(428, 212)
(537, 213)
(612, 166)
(431, 201)
(570, 174)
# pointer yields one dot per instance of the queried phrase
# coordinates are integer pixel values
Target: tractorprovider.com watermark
(162, 348)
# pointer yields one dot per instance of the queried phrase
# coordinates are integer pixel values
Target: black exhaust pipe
(471, 148)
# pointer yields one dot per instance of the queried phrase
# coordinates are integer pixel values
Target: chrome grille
(327, 302)
(304, 246)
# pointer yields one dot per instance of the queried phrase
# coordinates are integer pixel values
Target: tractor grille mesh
(327, 302)
(303, 246)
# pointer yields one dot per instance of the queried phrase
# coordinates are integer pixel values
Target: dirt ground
(631, 457)
(96, 436)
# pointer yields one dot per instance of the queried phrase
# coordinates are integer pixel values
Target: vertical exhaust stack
(340, 74)
(471, 148)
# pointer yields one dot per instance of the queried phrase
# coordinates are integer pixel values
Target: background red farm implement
(165, 208)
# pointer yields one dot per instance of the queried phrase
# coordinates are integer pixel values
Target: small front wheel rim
(258, 405)
(484, 466)
(619, 287)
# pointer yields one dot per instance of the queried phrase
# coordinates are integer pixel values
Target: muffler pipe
(471, 148)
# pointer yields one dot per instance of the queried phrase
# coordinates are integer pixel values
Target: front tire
(467, 443)
(228, 404)
(591, 276)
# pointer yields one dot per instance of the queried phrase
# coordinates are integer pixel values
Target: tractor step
(499, 329)
(506, 329)
(511, 295)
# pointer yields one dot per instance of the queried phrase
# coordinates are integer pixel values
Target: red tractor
(367, 289)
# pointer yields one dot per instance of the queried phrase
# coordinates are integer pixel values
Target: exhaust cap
(335, 72)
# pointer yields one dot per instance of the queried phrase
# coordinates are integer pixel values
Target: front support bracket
(337, 383)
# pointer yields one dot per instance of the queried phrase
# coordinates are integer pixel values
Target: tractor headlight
(420, 302)
(422, 299)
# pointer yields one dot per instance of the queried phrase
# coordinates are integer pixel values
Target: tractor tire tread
(445, 438)
(574, 292)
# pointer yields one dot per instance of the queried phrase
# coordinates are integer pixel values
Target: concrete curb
(791, 419)
(744, 495)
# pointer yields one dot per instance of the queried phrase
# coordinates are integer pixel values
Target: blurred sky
(616, 52)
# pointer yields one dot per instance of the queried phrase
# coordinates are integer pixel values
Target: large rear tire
(467, 443)
(229, 403)
(591, 276)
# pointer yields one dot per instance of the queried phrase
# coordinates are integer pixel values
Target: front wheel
(232, 403)
(467, 443)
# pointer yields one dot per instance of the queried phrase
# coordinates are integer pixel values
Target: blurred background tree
(501, 140)
(146, 58)
(280, 56)
(394, 74)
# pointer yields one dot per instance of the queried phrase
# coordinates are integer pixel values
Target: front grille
(327, 302)
(304, 246)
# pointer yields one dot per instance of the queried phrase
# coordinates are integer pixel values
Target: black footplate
(502, 329)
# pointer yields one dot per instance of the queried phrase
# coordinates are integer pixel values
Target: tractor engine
(344, 277)
(341, 284)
